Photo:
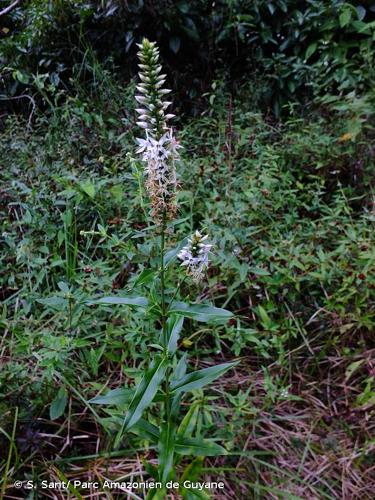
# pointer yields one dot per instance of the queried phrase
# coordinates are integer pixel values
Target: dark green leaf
(151, 469)
(119, 396)
(180, 369)
(200, 378)
(345, 17)
(88, 187)
(144, 277)
(128, 301)
(156, 494)
(58, 405)
(201, 312)
(174, 327)
(187, 426)
(58, 303)
(311, 49)
(199, 447)
(146, 430)
(166, 450)
(144, 395)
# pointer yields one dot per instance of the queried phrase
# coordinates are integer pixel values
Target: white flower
(194, 256)
(159, 150)
(159, 156)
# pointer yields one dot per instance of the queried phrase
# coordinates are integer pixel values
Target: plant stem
(176, 292)
(164, 315)
(162, 279)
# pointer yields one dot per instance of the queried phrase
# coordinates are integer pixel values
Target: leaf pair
(200, 312)
(144, 394)
(181, 383)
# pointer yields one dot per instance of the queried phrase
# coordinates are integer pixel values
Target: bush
(300, 49)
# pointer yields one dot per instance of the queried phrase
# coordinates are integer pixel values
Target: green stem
(164, 315)
(176, 292)
(162, 280)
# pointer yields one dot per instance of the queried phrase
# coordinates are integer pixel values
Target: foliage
(299, 49)
(290, 208)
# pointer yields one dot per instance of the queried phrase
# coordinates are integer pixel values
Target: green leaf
(166, 450)
(178, 373)
(345, 17)
(119, 396)
(352, 368)
(192, 473)
(180, 369)
(200, 378)
(145, 430)
(144, 277)
(156, 494)
(190, 494)
(58, 303)
(187, 426)
(201, 312)
(310, 50)
(63, 287)
(88, 187)
(151, 469)
(174, 327)
(266, 320)
(199, 447)
(128, 301)
(117, 193)
(144, 394)
(58, 405)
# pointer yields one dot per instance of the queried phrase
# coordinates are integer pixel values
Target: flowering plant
(166, 380)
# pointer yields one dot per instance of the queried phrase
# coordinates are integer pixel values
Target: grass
(291, 216)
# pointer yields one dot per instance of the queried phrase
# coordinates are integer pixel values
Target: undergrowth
(290, 208)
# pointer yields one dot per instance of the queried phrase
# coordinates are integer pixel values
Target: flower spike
(194, 256)
(159, 150)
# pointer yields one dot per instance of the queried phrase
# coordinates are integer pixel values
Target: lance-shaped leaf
(192, 473)
(201, 312)
(200, 378)
(156, 494)
(146, 276)
(174, 327)
(180, 369)
(166, 450)
(119, 396)
(187, 426)
(178, 373)
(144, 394)
(145, 430)
(58, 405)
(126, 301)
(198, 447)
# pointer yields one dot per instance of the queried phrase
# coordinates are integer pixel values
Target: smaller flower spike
(159, 150)
(152, 112)
(194, 256)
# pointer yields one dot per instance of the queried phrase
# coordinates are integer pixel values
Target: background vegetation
(276, 115)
